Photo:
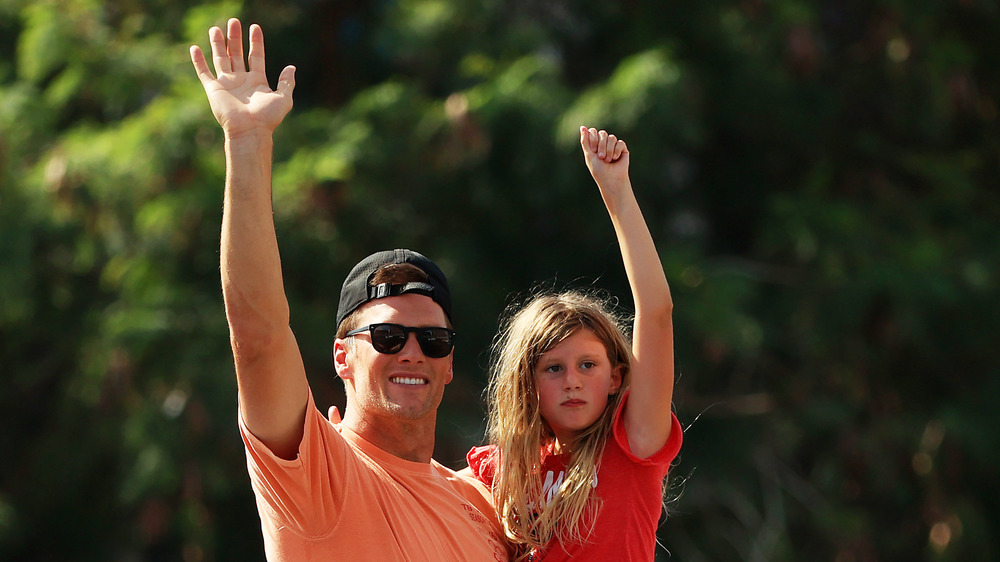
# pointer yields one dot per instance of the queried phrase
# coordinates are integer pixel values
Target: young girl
(580, 428)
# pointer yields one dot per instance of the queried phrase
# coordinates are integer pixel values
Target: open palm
(241, 98)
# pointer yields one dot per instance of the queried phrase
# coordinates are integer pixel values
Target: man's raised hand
(241, 98)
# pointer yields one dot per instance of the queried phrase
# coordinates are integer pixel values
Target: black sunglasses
(390, 338)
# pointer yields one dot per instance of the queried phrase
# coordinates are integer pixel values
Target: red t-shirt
(630, 488)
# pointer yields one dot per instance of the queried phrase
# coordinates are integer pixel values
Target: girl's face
(574, 379)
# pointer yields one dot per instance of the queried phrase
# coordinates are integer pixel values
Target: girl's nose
(572, 380)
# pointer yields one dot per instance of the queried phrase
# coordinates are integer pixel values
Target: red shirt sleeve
(483, 462)
(665, 455)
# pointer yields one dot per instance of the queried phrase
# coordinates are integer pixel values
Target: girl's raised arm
(647, 416)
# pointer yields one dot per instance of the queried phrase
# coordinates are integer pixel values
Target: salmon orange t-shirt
(343, 498)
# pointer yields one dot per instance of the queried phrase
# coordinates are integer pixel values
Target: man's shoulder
(460, 480)
(447, 472)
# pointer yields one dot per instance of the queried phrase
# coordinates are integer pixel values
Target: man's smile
(408, 380)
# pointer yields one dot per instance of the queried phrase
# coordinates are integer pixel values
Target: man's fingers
(220, 56)
(256, 59)
(200, 64)
(333, 414)
(286, 81)
(235, 45)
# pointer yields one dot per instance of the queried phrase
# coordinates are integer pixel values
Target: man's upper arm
(273, 392)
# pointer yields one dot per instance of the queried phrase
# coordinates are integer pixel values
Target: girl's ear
(616, 379)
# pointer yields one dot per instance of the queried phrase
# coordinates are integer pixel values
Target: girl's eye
(553, 368)
(587, 365)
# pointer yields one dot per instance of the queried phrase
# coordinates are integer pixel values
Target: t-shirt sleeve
(665, 455)
(306, 493)
(483, 462)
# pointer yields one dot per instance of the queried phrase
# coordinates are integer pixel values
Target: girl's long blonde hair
(519, 432)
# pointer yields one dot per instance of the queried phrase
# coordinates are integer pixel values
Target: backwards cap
(356, 290)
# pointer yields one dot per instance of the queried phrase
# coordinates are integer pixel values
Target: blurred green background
(820, 178)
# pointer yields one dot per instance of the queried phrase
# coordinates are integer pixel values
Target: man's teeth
(408, 380)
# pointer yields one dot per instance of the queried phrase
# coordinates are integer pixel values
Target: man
(366, 488)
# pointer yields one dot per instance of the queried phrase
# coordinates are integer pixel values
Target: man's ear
(451, 369)
(341, 359)
(616, 379)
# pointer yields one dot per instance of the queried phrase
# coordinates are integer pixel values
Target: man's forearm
(251, 268)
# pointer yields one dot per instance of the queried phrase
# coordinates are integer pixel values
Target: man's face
(407, 384)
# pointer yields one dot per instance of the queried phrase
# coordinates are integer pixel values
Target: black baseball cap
(357, 290)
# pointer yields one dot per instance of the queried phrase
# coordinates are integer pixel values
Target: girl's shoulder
(483, 461)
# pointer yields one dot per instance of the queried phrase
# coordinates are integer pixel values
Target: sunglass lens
(388, 338)
(435, 342)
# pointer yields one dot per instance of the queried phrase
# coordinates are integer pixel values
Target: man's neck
(411, 440)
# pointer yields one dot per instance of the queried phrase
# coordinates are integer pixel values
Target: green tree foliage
(820, 178)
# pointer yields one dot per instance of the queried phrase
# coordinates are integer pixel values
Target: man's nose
(411, 349)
